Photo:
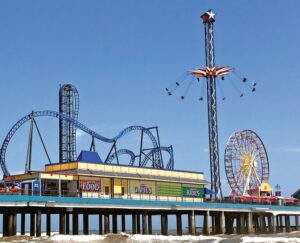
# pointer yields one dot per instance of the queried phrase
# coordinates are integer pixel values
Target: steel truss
(69, 106)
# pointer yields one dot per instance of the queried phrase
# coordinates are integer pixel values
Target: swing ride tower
(210, 72)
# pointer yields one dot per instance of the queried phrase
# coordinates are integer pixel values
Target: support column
(100, 224)
(67, 223)
(217, 224)
(149, 224)
(228, 224)
(243, 224)
(4, 225)
(133, 223)
(262, 224)
(85, 224)
(10, 223)
(23, 220)
(164, 224)
(269, 218)
(106, 223)
(287, 223)
(297, 222)
(62, 223)
(75, 223)
(115, 223)
(273, 224)
(179, 223)
(32, 224)
(38, 227)
(206, 224)
(281, 223)
(192, 228)
(14, 222)
(249, 223)
(239, 224)
(144, 223)
(138, 223)
(222, 223)
(123, 222)
(48, 224)
(213, 228)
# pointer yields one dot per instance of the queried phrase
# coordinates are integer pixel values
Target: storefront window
(106, 190)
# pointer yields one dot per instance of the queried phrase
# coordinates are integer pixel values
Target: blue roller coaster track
(153, 153)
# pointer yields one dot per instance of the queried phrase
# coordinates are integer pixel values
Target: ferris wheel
(246, 162)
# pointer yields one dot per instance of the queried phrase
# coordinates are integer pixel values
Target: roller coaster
(68, 123)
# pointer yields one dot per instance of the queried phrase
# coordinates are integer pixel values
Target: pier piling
(138, 223)
(123, 222)
(106, 223)
(206, 224)
(164, 224)
(287, 224)
(75, 223)
(32, 224)
(179, 223)
(62, 223)
(149, 224)
(115, 223)
(38, 223)
(48, 224)
(144, 223)
(85, 224)
(191, 221)
(100, 224)
(133, 223)
(23, 220)
(297, 222)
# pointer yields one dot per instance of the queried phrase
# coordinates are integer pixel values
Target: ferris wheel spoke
(256, 175)
(247, 181)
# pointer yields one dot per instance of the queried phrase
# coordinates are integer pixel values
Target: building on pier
(98, 180)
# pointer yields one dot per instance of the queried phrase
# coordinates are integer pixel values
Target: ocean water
(122, 237)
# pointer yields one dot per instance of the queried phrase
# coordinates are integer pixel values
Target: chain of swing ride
(187, 79)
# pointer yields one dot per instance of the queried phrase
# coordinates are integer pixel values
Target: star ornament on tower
(208, 16)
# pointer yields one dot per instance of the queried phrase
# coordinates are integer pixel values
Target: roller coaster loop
(85, 129)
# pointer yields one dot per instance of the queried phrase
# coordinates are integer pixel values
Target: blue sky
(122, 54)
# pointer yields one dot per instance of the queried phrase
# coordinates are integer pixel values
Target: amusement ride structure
(210, 73)
(68, 124)
(246, 163)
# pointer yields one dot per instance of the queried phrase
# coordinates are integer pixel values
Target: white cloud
(80, 134)
(205, 150)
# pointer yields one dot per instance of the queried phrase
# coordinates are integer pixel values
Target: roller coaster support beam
(42, 141)
(93, 147)
(29, 148)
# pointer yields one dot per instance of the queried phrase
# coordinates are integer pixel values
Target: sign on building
(192, 192)
(143, 189)
(90, 185)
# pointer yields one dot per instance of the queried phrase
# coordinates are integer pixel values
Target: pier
(218, 218)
